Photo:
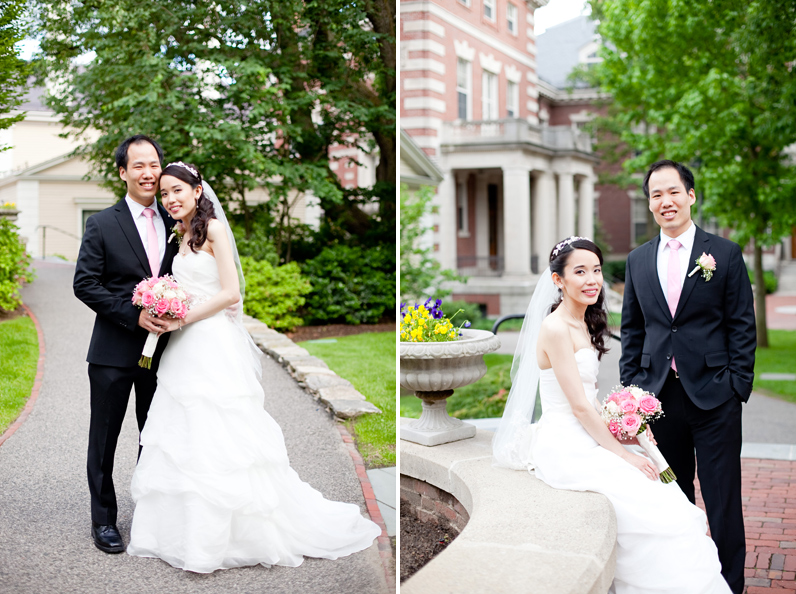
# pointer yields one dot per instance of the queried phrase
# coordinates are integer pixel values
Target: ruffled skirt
(214, 488)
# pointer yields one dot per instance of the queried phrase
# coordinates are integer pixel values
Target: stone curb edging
(310, 372)
(385, 548)
(522, 536)
(34, 393)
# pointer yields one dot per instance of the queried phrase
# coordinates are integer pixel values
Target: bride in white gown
(214, 488)
(662, 545)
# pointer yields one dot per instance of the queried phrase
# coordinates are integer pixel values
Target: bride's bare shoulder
(554, 328)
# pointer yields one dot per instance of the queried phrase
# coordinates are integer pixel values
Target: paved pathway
(45, 541)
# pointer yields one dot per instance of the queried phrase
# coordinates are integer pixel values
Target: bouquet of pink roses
(161, 296)
(627, 411)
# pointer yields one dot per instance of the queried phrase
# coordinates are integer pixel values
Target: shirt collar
(686, 238)
(137, 209)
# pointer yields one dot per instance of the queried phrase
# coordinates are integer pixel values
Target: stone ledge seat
(523, 536)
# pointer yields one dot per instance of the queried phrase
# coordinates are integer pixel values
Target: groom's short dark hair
(121, 152)
(685, 174)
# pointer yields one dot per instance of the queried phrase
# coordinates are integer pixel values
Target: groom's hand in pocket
(151, 323)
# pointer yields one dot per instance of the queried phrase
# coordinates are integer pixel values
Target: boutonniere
(177, 231)
(707, 264)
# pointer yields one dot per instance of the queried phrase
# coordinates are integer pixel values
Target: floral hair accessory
(560, 246)
(193, 171)
(707, 264)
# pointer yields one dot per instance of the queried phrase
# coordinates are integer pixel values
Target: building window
(489, 96)
(512, 100)
(463, 84)
(465, 2)
(511, 18)
(640, 210)
(85, 214)
(489, 9)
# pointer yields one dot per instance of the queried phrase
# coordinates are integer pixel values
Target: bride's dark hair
(204, 208)
(596, 316)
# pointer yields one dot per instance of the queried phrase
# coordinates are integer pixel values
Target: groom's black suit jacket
(712, 335)
(112, 261)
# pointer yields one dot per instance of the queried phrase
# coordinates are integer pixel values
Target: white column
(566, 205)
(546, 216)
(28, 221)
(586, 210)
(481, 217)
(516, 221)
(446, 237)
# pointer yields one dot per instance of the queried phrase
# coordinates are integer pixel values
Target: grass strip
(368, 362)
(19, 356)
(779, 357)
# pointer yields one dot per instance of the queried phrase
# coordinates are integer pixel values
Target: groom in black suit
(121, 246)
(689, 337)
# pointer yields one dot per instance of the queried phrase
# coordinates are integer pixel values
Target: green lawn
(484, 399)
(368, 362)
(19, 355)
(779, 357)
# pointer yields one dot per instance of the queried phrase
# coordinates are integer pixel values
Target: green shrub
(769, 279)
(487, 397)
(351, 285)
(274, 293)
(472, 311)
(614, 270)
(14, 266)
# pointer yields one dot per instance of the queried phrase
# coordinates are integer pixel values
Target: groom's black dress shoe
(107, 538)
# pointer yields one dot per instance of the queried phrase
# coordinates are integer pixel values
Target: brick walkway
(785, 318)
(769, 496)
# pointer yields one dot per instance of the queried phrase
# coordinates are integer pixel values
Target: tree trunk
(760, 296)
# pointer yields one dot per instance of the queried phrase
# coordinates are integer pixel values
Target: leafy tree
(252, 92)
(421, 273)
(710, 83)
(13, 70)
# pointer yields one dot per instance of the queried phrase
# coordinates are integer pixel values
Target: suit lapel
(130, 231)
(701, 244)
(652, 274)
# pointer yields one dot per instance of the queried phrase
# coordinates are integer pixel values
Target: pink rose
(147, 299)
(649, 404)
(162, 306)
(707, 261)
(152, 282)
(614, 427)
(631, 424)
(624, 395)
(628, 405)
(613, 397)
(177, 308)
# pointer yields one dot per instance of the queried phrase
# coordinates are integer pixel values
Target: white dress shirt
(686, 240)
(137, 210)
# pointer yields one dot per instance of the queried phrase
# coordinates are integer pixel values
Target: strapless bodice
(553, 397)
(198, 274)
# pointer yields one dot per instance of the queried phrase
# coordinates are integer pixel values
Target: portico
(510, 191)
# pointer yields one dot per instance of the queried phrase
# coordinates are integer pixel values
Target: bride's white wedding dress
(213, 488)
(662, 545)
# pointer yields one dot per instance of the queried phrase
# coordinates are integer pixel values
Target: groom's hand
(151, 323)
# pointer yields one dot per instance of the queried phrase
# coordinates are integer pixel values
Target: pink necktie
(153, 252)
(673, 285)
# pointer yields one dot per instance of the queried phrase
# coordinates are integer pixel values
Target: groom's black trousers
(110, 392)
(716, 436)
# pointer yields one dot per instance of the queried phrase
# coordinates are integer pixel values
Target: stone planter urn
(433, 370)
(9, 213)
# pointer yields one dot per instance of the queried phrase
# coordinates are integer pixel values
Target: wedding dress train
(214, 488)
(662, 545)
